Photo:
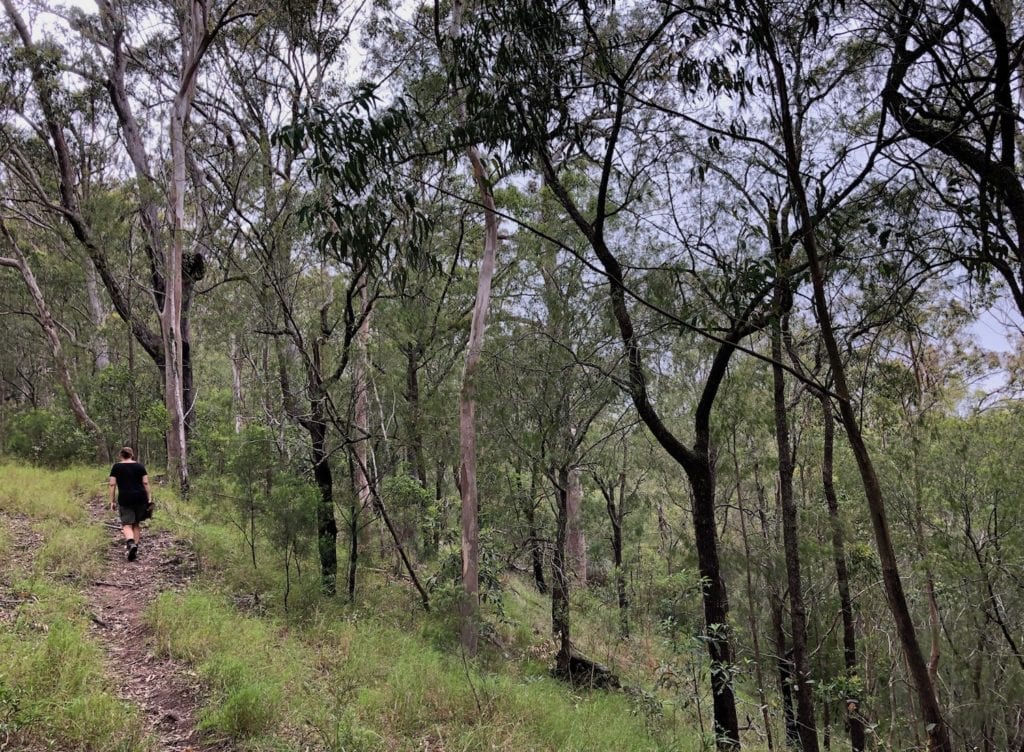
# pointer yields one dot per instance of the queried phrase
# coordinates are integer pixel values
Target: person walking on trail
(129, 494)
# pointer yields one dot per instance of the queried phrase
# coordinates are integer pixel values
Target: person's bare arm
(112, 484)
(145, 484)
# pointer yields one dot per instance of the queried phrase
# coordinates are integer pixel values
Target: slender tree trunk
(576, 541)
(698, 466)
(469, 523)
(326, 523)
(361, 385)
(316, 426)
(697, 462)
(412, 398)
(560, 582)
(916, 425)
(440, 502)
(236, 383)
(776, 609)
(716, 606)
(806, 725)
(355, 510)
(97, 316)
(852, 703)
(755, 638)
(188, 391)
(931, 714)
(536, 552)
(378, 505)
(133, 397)
(416, 460)
(354, 514)
(616, 513)
(49, 327)
(930, 710)
(784, 665)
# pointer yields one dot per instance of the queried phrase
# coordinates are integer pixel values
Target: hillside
(177, 651)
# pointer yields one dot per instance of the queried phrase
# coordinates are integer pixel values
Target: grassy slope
(377, 676)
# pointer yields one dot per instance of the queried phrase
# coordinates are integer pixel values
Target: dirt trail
(165, 691)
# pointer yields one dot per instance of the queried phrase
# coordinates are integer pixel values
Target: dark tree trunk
(616, 512)
(620, 578)
(696, 462)
(716, 605)
(316, 426)
(536, 551)
(852, 703)
(412, 399)
(930, 710)
(776, 608)
(791, 542)
(697, 465)
(755, 637)
(442, 505)
(326, 524)
(355, 509)
(188, 395)
(560, 577)
(785, 668)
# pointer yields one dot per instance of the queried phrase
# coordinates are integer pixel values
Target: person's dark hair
(126, 453)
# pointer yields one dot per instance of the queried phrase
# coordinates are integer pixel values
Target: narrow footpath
(167, 693)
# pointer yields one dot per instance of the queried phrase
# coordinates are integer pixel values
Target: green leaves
(361, 209)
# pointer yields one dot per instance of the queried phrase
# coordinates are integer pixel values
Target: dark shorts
(132, 514)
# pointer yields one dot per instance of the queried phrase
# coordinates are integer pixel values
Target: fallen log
(581, 671)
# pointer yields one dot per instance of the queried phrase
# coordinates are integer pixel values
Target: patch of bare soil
(167, 693)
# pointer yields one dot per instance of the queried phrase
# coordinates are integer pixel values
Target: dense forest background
(701, 321)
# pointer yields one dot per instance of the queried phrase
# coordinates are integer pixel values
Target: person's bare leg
(137, 532)
(129, 532)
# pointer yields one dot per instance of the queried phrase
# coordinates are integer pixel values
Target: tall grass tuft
(75, 553)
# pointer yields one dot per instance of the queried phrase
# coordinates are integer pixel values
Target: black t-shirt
(129, 477)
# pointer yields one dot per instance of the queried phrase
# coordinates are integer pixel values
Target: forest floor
(173, 652)
(167, 692)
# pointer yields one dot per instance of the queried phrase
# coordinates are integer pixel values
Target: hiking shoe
(133, 551)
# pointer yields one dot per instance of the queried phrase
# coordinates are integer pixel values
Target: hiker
(129, 494)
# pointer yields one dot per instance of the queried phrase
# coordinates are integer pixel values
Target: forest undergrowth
(379, 674)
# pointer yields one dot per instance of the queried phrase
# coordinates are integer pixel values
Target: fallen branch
(583, 672)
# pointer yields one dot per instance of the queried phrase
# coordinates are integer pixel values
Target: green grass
(53, 690)
(247, 667)
(361, 684)
(72, 552)
(381, 675)
(59, 496)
